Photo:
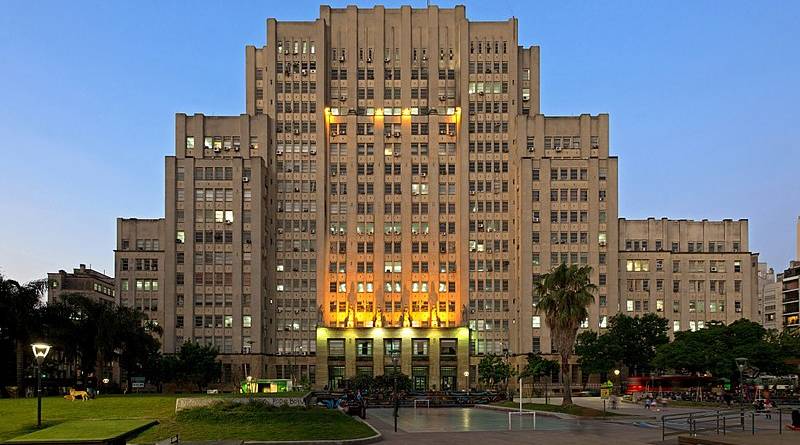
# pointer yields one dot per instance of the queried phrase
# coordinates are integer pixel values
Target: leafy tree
(714, 349)
(493, 370)
(564, 296)
(384, 384)
(633, 340)
(539, 367)
(198, 364)
(594, 354)
(363, 383)
(19, 314)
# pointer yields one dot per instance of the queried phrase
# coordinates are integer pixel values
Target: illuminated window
(536, 321)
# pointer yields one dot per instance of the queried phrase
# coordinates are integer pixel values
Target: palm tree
(565, 294)
(19, 312)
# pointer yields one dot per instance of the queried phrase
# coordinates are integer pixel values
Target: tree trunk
(566, 379)
(20, 352)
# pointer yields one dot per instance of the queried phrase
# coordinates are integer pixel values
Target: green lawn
(18, 417)
(574, 410)
(257, 422)
(83, 430)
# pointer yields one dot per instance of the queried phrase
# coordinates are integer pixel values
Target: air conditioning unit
(304, 72)
(530, 149)
(423, 174)
(216, 150)
(245, 179)
(442, 97)
(236, 147)
(480, 93)
(595, 146)
(535, 220)
(713, 269)
(397, 134)
(286, 52)
(558, 148)
(397, 154)
(341, 58)
(279, 152)
(333, 173)
(442, 132)
(451, 133)
(252, 147)
(387, 60)
(312, 151)
(296, 132)
(369, 59)
(334, 133)
(342, 99)
(472, 192)
(342, 132)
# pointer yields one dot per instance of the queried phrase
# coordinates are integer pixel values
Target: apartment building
(389, 198)
(84, 281)
(139, 265)
(691, 272)
(790, 295)
(769, 298)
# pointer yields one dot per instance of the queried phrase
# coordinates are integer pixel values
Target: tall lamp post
(40, 351)
(395, 359)
(616, 377)
(741, 362)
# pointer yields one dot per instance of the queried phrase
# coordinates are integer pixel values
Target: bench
(74, 395)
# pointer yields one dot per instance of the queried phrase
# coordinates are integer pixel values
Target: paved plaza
(476, 426)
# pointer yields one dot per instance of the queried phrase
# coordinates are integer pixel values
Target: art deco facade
(394, 190)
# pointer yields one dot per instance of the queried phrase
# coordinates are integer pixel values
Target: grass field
(574, 410)
(18, 417)
(85, 430)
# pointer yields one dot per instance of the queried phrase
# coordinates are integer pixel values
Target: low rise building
(84, 281)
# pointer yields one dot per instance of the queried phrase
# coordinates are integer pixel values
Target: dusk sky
(702, 97)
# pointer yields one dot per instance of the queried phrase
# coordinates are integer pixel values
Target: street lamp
(741, 362)
(249, 386)
(616, 376)
(40, 351)
(395, 359)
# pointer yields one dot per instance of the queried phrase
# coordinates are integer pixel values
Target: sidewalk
(630, 409)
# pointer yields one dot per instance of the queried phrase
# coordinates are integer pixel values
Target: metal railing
(784, 409)
(696, 422)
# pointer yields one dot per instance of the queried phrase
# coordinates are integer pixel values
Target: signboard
(605, 389)
(137, 382)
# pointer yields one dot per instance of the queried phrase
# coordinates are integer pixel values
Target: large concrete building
(393, 190)
(84, 281)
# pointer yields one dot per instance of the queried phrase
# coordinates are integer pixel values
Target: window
(447, 346)
(391, 346)
(364, 347)
(419, 347)
(247, 321)
(336, 348)
(536, 321)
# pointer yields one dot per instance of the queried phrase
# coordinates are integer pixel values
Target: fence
(702, 421)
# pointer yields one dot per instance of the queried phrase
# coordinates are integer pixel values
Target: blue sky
(703, 97)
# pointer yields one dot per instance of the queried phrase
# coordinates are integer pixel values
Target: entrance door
(448, 374)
